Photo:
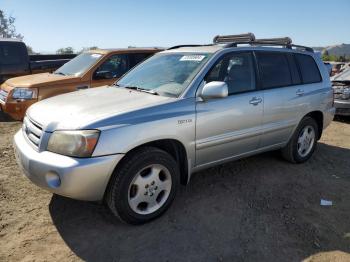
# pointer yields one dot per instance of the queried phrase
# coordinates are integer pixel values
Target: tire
(292, 151)
(143, 186)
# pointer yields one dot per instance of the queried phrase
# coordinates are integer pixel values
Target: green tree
(84, 49)
(341, 59)
(30, 50)
(65, 50)
(325, 52)
(7, 26)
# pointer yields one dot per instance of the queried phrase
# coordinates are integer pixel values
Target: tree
(84, 49)
(7, 27)
(30, 50)
(66, 50)
(325, 52)
(341, 59)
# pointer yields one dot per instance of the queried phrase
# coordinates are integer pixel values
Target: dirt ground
(256, 209)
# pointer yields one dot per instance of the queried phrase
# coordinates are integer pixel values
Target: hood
(38, 80)
(343, 76)
(79, 109)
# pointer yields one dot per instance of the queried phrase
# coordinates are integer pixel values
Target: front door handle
(300, 92)
(255, 100)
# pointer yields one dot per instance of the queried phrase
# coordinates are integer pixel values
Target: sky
(48, 25)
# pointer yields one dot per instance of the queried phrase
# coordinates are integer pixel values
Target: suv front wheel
(144, 186)
(303, 142)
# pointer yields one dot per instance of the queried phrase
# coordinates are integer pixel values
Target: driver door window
(236, 70)
(114, 67)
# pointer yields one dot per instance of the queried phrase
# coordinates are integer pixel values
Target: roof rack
(246, 38)
(249, 38)
(281, 40)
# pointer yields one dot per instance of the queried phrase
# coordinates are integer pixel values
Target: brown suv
(90, 69)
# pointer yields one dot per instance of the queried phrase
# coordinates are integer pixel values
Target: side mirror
(214, 89)
(103, 75)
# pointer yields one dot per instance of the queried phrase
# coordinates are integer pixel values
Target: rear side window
(274, 69)
(309, 70)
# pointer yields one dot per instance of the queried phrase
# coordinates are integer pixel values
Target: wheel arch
(174, 148)
(318, 117)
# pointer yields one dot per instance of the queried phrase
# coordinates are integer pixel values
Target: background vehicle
(90, 69)
(185, 109)
(15, 61)
(341, 87)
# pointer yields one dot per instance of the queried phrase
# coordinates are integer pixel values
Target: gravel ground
(256, 209)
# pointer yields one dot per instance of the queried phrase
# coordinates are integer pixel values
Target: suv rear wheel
(144, 186)
(303, 142)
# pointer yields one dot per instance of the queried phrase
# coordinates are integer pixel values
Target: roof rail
(281, 41)
(301, 47)
(178, 46)
(246, 38)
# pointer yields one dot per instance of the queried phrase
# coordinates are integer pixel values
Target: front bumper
(16, 110)
(78, 178)
(342, 107)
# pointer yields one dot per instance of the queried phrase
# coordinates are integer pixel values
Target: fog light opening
(53, 179)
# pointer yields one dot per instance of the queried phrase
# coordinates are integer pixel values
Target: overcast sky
(49, 25)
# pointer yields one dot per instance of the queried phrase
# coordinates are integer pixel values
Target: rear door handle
(300, 92)
(255, 100)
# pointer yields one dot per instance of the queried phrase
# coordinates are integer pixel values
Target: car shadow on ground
(5, 118)
(343, 119)
(255, 209)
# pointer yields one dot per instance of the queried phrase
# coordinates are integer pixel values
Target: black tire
(290, 151)
(118, 188)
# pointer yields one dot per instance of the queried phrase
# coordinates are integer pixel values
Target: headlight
(346, 93)
(24, 93)
(342, 93)
(80, 143)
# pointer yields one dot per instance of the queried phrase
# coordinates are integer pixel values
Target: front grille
(32, 131)
(3, 95)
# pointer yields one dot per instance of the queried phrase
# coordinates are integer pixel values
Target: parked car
(329, 67)
(183, 110)
(15, 60)
(90, 69)
(341, 87)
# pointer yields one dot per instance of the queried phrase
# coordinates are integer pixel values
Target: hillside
(337, 50)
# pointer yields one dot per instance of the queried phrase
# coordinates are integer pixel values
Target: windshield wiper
(60, 73)
(142, 90)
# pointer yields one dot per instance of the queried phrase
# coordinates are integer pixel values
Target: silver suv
(185, 109)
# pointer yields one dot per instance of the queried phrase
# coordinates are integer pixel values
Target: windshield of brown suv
(165, 74)
(78, 65)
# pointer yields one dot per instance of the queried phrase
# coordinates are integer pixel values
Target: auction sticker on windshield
(192, 58)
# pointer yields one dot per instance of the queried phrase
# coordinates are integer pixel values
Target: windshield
(166, 74)
(78, 65)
